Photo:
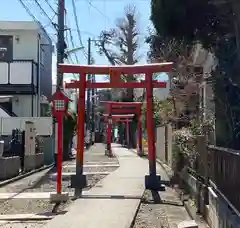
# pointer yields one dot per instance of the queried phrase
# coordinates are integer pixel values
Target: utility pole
(59, 197)
(88, 122)
(93, 110)
(60, 59)
(60, 42)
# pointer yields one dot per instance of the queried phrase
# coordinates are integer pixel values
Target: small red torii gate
(152, 181)
(115, 107)
(110, 119)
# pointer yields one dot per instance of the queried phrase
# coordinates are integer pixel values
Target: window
(59, 105)
(6, 48)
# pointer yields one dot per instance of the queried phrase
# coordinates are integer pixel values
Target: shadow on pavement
(109, 197)
(156, 199)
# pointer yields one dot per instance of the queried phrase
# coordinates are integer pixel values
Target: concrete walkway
(113, 202)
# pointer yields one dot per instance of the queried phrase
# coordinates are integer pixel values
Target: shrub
(184, 144)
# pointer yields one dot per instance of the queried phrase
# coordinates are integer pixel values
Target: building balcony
(18, 77)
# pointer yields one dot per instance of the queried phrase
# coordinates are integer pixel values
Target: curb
(190, 210)
(19, 177)
(167, 170)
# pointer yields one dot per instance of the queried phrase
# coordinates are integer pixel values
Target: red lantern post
(60, 107)
(152, 181)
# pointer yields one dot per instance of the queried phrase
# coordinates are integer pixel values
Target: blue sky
(93, 17)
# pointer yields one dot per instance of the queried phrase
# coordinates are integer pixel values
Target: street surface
(115, 196)
(28, 199)
(115, 201)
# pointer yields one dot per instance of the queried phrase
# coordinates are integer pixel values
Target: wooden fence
(224, 173)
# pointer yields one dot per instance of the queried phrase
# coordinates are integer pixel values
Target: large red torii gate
(115, 107)
(152, 181)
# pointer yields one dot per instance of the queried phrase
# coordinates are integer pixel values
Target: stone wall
(33, 161)
(9, 167)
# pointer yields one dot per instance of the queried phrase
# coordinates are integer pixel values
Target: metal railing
(224, 172)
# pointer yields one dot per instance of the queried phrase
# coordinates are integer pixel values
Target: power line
(68, 29)
(98, 10)
(28, 10)
(77, 26)
(47, 1)
(44, 12)
(72, 42)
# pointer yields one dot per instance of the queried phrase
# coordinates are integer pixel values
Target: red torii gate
(116, 118)
(115, 107)
(152, 181)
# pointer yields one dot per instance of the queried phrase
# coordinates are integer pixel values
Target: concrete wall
(9, 167)
(164, 144)
(219, 213)
(34, 161)
(24, 39)
(22, 105)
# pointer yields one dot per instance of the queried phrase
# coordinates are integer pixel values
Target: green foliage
(69, 125)
(185, 141)
(214, 24)
(69, 128)
(191, 20)
(162, 110)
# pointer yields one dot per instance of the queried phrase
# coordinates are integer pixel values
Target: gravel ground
(23, 225)
(49, 184)
(45, 182)
(160, 210)
(29, 206)
(21, 206)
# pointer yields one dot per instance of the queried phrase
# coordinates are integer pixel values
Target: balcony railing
(18, 72)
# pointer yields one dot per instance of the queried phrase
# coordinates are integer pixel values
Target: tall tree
(120, 46)
(182, 82)
(215, 24)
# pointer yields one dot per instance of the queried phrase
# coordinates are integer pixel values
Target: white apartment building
(25, 68)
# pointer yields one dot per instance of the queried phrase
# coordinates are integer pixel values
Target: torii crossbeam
(152, 181)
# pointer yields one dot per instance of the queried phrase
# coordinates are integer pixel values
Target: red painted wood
(115, 72)
(60, 154)
(125, 69)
